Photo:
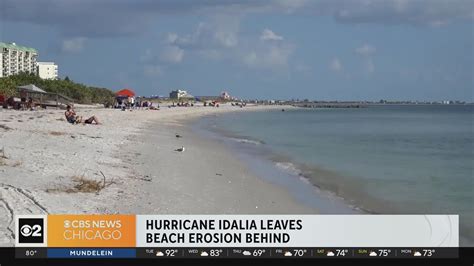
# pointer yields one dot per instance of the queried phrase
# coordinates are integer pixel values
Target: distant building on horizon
(47, 70)
(15, 59)
(225, 95)
(447, 102)
(180, 94)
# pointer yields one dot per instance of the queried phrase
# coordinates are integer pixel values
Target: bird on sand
(180, 149)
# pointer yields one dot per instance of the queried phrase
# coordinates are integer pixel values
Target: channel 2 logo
(31, 230)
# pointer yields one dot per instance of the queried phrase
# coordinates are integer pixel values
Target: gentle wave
(305, 177)
(248, 141)
(288, 167)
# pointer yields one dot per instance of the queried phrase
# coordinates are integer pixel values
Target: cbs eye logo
(30, 230)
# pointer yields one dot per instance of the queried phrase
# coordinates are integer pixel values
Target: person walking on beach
(132, 103)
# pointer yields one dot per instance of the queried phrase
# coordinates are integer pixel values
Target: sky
(274, 49)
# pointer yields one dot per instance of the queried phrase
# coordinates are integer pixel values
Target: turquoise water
(384, 159)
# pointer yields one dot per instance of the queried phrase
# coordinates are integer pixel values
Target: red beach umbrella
(125, 93)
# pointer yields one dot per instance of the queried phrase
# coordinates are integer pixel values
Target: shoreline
(285, 174)
(210, 179)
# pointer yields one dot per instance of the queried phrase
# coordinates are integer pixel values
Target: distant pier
(329, 105)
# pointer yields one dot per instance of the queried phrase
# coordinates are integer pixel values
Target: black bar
(30, 253)
(147, 256)
(257, 252)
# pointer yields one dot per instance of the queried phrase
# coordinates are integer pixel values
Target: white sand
(135, 152)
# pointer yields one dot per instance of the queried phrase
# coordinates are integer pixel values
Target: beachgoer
(30, 105)
(23, 95)
(91, 120)
(73, 118)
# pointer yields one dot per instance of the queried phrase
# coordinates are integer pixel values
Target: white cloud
(212, 54)
(226, 38)
(73, 45)
(172, 54)
(269, 35)
(220, 31)
(226, 28)
(335, 65)
(104, 19)
(172, 37)
(168, 54)
(292, 4)
(272, 53)
(220, 39)
(271, 57)
(365, 50)
(413, 12)
(152, 70)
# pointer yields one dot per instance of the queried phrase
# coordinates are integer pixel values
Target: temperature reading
(258, 252)
(384, 252)
(171, 252)
(299, 252)
(215, 252)
(428, 252)
(30, 253)
(341, 252)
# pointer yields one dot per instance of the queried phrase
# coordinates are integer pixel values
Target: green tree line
(80, 93)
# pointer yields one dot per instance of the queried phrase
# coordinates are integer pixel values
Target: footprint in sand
(4, 127)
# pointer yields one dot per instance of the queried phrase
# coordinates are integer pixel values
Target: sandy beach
(126, 165)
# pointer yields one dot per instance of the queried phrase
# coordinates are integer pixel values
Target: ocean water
(382, 159)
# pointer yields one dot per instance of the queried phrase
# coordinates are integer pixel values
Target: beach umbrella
(125, 93)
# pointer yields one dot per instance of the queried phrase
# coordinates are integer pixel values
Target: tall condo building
(15, 59)
(47, 70)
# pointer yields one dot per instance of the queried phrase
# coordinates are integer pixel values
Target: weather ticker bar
(237, 252)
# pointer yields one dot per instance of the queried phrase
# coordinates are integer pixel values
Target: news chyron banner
(123, 235)
(75, 231)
